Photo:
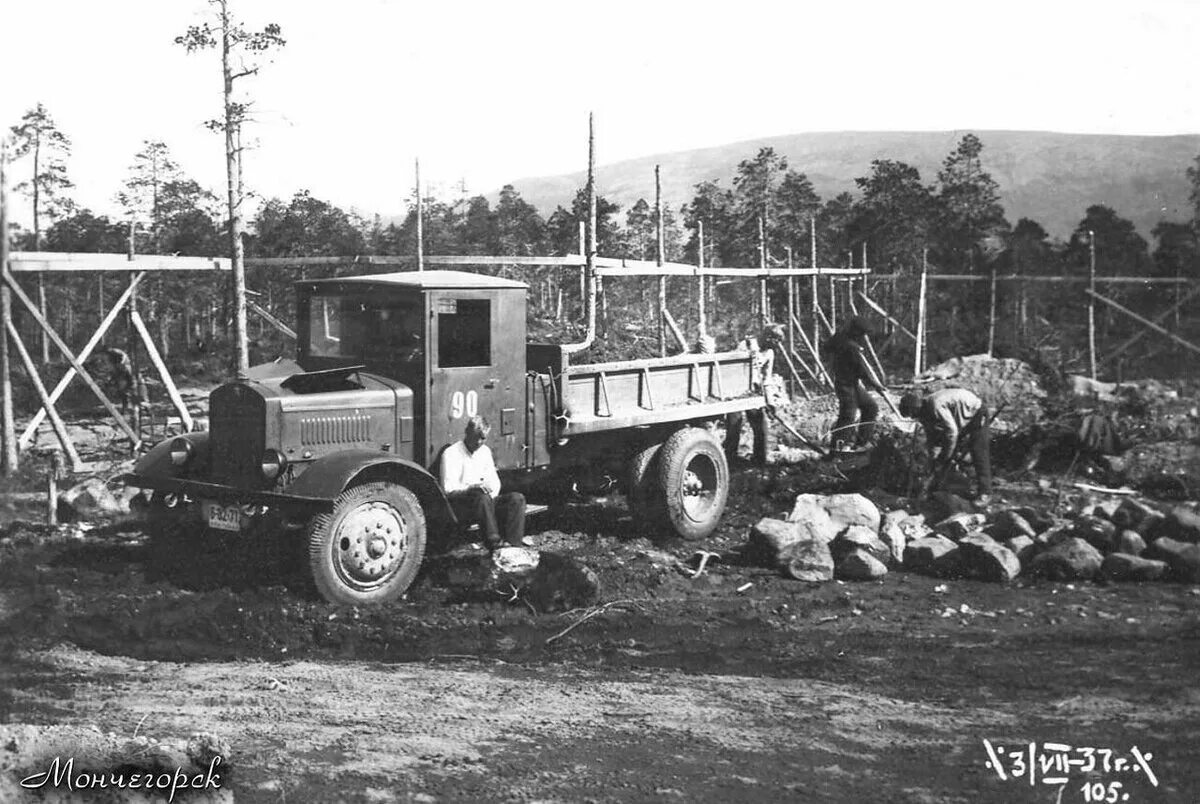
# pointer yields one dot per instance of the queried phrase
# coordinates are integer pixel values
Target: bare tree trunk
(233, 170)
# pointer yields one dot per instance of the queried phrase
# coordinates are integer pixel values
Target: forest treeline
(897, 219)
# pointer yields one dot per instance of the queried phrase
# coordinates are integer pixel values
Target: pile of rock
(825, 536)
(844, 536)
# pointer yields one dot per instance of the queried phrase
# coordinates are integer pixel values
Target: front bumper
(292, 505)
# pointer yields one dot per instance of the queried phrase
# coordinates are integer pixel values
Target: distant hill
(1049, 177)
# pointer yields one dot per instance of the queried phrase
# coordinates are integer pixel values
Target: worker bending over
(955, 420)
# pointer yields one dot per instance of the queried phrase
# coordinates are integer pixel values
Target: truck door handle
(491, 383)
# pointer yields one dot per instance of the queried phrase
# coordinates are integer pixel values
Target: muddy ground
(737, 685)
(683, 689)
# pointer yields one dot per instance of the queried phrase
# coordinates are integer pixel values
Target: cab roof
(423, 280)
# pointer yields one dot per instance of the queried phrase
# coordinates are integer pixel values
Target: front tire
(693, 476)
(368, 550)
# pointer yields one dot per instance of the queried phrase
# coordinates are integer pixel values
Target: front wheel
(693, 476)
(368, 550)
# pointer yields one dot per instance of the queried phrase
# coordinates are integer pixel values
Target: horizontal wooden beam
(1111, 280)
(71, 262)
(605, 266)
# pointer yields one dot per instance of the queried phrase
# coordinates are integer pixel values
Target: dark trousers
(853, 400)
(733, 434)
(502, 520)
(980, 435)
(976, 436)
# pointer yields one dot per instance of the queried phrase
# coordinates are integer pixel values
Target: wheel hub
(371, 543)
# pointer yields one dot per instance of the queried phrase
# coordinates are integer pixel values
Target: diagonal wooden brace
(31, 428)
(161, 367)
(70, 356)
(56, 421)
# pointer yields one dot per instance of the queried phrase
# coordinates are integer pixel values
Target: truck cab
(456, 340)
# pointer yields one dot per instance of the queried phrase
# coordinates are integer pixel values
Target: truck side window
(464, 333)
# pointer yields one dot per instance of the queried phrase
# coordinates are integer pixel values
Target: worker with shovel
(955, 421)
(852, 376)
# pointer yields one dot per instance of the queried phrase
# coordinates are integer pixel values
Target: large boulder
(808, 560)
(1038, 519)
(1099, 533)
(898, 529)
(1182, 558)
(960, 525)
(920, 554)
(942, 505)
(1023, 547)
(982, 558)
(1131, 543)
(1068, 559)
(1182, 524)
(844, 510)
(858, 537)
(1008, 524)
(860, 565)
(770, 538)
(1125, 567)
(1131, 513)
(94, 498)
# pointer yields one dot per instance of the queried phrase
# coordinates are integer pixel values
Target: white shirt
(462, 469)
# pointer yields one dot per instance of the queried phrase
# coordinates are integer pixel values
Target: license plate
(223, 517)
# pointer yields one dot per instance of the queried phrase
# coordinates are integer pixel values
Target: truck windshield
(375, 331)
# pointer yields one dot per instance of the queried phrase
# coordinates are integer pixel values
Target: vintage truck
(340, 445)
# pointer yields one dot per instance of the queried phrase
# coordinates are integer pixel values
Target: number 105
(1109, 793)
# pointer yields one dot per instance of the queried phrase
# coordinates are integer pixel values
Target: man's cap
(910, 405)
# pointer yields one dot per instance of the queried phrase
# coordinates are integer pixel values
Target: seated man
(468, 476)
(953, 418)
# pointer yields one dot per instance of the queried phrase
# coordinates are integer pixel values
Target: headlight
(273, 464)
(181, 451)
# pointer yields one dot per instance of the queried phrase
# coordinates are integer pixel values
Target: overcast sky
(488, 92)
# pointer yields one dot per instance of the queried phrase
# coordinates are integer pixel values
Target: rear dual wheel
(682, 484)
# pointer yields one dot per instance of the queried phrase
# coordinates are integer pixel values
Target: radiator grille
(322, 430)
(237, 423)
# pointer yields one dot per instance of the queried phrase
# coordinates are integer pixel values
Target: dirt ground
(737, 685)
(688, 690)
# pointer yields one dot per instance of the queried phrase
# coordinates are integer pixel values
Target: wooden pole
(56, 472)
(56, 422)
(991, 343)
(1092, 302)
(795, 374)
(658, 258)
(45, 344)
(420, 217)
(833, 304)
(791, 304)
(8, 428)
(1144, 321)
(582, 269)
(815, 345)
(134, 367)
(27, 435)
(763, 312)
(701, 311)
(919, 358)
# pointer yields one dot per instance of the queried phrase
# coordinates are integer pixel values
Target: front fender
(330, 476)
(157, 462)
